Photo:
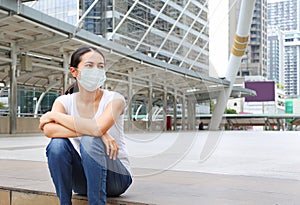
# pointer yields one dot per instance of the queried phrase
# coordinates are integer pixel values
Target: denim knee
(118, 185)
(93, 148)
(92, 145)
(58, 147)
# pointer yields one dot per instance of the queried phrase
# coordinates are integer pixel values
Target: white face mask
(91, 78)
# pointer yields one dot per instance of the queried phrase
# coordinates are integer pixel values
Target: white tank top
(116, 131)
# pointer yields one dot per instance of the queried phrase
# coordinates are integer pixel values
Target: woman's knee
(92, 152)
(118, 187)
(58, 147)
(92, 145)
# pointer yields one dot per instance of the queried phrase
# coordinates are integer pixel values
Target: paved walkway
(245, 168)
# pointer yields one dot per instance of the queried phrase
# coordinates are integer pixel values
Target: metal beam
(151, 25)
(42, 97)
(78, 24)
(172, 28)
(188, 31)
(123, 19)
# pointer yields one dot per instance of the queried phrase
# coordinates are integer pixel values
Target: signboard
(289, 106)
(265, 91)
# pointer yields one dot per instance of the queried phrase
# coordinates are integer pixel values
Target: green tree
(2, 105)
(230, 111)
(211, 106)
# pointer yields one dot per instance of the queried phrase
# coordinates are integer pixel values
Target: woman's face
(89, 60)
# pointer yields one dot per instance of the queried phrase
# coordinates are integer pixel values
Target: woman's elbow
(48, 130)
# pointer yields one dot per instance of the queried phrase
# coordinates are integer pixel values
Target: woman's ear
(74, 72)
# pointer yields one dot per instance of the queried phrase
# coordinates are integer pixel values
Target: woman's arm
(93, 127)
(54, 130)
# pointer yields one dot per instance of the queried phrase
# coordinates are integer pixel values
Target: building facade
(285, 14)
(276, 55)
(174, 31)
(66, 10)
(292, 62)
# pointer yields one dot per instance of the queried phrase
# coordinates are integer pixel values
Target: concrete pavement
(245, 168)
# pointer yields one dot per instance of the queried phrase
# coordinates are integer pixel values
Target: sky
(218, 37)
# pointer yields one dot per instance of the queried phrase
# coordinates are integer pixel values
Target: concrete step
(18, 196)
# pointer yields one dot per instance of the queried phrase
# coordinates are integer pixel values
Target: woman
(87, 152)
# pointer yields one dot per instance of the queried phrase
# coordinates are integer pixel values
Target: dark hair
(73, 88)
(76, 56)
(75, 60)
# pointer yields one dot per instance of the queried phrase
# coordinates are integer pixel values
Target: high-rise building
(292, 62)
(276, 55)
(254, 62)
(285, 14)
(174, 31)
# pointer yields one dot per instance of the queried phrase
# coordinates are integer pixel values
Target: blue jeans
(93, 174)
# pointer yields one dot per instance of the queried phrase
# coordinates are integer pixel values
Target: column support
(183, 123)
(129, 106)
(66, 71)
(13, 91)
(165, 109)
(150, 106)
(175, 110)
(191, 113)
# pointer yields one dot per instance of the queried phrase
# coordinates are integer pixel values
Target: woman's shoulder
(112, 95)
(64, 98)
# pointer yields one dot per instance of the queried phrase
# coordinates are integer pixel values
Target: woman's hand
(46, 118)
(112, 148)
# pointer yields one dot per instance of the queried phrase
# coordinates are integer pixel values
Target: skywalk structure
(156, 55)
